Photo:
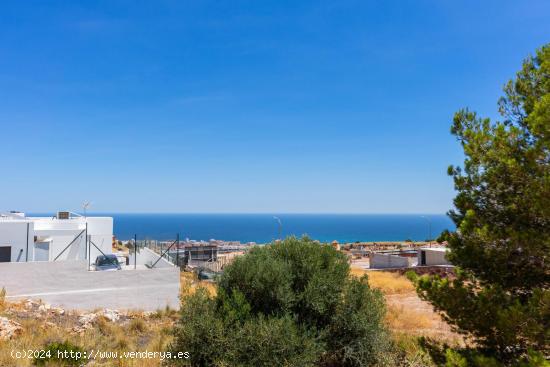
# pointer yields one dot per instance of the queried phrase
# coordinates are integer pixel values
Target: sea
(264, 228)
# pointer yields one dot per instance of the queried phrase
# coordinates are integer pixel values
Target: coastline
(262, 228)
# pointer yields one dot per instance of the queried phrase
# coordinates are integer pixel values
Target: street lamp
(429, 227)
(280, 226)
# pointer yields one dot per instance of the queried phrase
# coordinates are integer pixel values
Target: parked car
(106, 263)
(206, 274)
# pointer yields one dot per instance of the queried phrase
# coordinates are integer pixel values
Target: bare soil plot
(407, 313)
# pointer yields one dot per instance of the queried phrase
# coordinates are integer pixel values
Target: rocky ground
(33, 325)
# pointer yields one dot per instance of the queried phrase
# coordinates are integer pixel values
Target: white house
(432, 256)
(65, 236)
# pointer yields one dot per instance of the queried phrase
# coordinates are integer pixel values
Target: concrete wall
(100, 230)
(148, 257)
(62, 232)
(382, 261)
(59, 240)
(14, 234)
(434, 256)
(68, 284)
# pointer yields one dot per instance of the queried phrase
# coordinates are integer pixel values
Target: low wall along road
(70, 285)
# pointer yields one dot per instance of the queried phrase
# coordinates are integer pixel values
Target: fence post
(27, 251)
(178, 250)
(135, 251)
(87, 246)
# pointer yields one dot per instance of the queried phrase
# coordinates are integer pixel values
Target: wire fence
(182, 254)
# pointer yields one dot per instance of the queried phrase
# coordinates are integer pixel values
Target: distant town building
(201, 252)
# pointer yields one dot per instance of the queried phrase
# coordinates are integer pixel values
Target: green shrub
(294, 276)
(356, 333)
(273, 341)
(201, 332)
(292, 303)
(443, 355)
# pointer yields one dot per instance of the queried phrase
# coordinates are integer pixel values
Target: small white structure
(65, 236)
(432, 256)
(385, 261)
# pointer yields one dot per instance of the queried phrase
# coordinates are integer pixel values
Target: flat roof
(49, 219)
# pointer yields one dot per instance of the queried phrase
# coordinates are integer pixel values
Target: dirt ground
(407, 313)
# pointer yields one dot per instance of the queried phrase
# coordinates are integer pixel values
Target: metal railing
(173, 252)
(166, 250)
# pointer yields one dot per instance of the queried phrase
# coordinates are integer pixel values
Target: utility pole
(89, 247)
(429, 228)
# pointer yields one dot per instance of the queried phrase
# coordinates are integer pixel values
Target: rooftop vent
(63, 215)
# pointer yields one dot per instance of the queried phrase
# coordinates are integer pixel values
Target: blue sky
(248, 106)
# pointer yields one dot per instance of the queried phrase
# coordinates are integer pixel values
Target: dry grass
(407, 320)
(137, 326)
(407, 315)
(190, 283)
(387, 282)
(138, 332)
(2, 299)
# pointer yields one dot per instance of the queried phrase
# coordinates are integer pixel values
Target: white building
(392, 259)
(387, 261)
(432, 256)
(65, 236)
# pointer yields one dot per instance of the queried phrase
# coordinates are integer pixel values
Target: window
(5, 254)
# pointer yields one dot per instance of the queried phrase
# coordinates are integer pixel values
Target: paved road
(68, 284)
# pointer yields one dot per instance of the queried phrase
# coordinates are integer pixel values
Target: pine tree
(501, 295)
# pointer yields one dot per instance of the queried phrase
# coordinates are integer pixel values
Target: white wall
(41, 251)
(382, 261)
(100, 230)
(14, 234)
(58, 234)
(147, 257)
(433, 257)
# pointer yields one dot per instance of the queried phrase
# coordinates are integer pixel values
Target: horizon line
(249, 213)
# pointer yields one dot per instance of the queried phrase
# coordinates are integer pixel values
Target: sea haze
(262, 228)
